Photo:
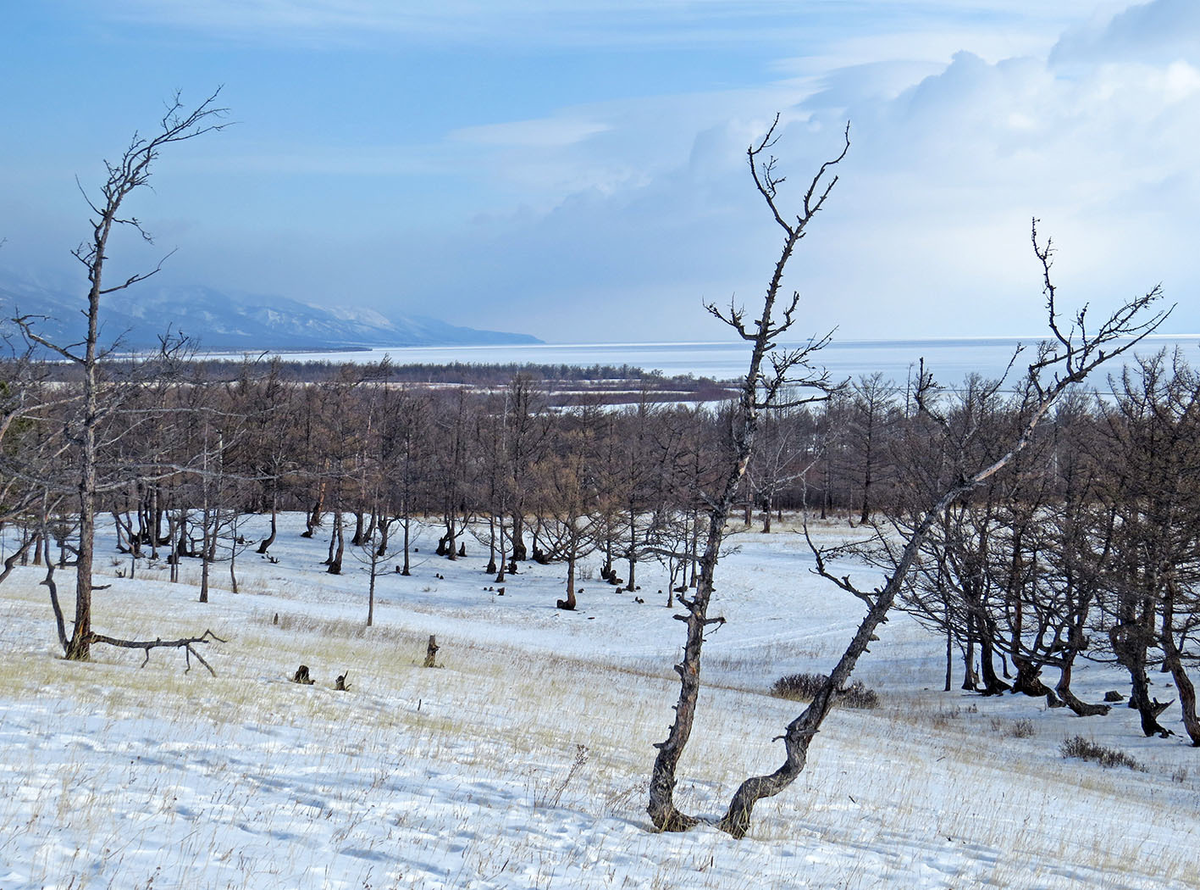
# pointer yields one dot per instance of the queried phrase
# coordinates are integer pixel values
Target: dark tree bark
(760, 388)
(1069, 359)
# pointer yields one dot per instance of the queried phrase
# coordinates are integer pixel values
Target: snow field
(471, 775)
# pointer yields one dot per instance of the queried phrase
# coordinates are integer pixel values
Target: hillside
(522, 761)
(225, 322)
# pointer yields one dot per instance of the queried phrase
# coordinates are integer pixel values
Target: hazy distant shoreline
(950, 359)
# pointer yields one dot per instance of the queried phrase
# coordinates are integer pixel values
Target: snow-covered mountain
(222, 321)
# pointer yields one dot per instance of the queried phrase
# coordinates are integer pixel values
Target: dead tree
(769, 372)
(127, 175)
(431, 651)
(1060, 362)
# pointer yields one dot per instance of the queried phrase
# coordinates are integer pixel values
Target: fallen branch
(185, 644)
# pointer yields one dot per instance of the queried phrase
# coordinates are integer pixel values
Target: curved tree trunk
(270, 539)
(800, 732)
(1081, 708)
(1173, 660)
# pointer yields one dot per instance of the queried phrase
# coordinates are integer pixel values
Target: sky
(576, 169)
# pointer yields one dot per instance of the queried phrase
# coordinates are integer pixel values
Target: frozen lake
(949, 359)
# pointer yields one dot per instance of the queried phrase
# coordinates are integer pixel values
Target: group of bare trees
(1030, 527)
(1089, 547)
(182, 459)
(961, 457)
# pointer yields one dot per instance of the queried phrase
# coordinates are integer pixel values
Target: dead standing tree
(130, 173)
(1060, 363)
(769, 373)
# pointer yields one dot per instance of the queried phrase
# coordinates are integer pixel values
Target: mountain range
(226, 321)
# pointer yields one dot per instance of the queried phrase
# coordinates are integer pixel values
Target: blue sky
(575, 169)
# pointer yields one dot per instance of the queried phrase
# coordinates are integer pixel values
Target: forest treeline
(1086, 547)
(564, 384)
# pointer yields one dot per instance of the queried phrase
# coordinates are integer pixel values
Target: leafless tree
(130, 173)
(770, 372)
(1059, 363)
(1152, 433)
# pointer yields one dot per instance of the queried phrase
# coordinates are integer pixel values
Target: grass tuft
(804, 687)
(1078, 747)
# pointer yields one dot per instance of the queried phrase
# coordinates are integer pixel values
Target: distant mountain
(233, 322)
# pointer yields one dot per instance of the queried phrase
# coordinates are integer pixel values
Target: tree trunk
(371, 593)
(569, 603)
(503, 558)
(1173, 660)
(204, 575)
(1129, 645)
(270, 539)
(80, 646)
(519, 553)
(1081, 708)
(1028, 681)
(949, 657)
(407, 539)
(385, 536)
(800, 732)
(491, 566)
(337, 545)
(233, 546)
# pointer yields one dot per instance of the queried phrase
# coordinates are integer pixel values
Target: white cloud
(928, 231)
(968, 120)
(545, 133)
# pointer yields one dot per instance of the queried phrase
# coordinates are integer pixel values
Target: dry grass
(883, 797)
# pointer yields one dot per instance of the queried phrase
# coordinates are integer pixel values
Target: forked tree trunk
(385, 536)
(337, 545)
(1129, 645)
(519, 552)
(1029, 681)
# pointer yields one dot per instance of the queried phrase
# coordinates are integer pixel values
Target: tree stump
(431, 652)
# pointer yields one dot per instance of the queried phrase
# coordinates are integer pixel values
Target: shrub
(804, 687)
(1078, 746)
(1022, 729)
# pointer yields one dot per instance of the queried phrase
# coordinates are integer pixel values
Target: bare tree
(127, 175)
(1150, 582)
(1061, 362)
(770, 371)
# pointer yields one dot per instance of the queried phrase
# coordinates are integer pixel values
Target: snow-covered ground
(522, 761)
